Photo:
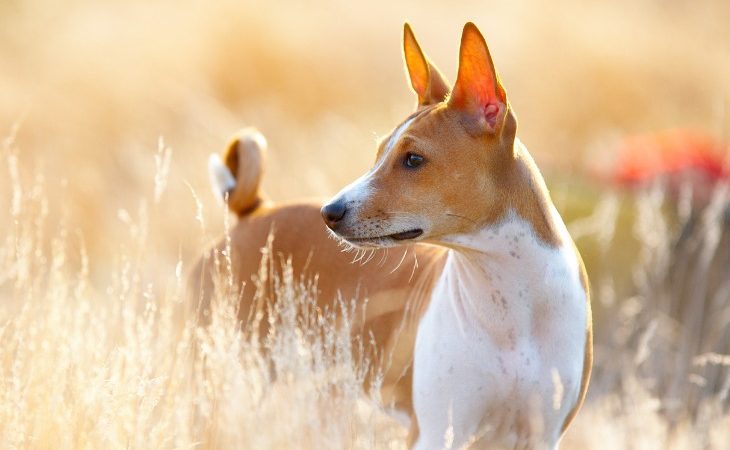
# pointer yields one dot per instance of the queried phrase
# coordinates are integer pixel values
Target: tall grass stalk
(126, 365)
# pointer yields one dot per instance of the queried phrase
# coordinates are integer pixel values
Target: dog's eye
(412, 160)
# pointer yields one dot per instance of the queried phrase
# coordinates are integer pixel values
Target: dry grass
(122, 366)
(104, 218)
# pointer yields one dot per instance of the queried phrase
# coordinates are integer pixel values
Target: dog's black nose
(334, 212)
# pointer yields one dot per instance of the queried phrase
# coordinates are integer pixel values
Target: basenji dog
(499, 302)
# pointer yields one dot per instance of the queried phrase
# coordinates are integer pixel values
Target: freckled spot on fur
(542, 316)
(512, 338)
(501, 365)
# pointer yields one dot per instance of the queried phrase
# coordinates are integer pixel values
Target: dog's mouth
(405, 235)
(377, 241)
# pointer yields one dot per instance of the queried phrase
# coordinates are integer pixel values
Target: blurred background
(625, 105)
(91, 86)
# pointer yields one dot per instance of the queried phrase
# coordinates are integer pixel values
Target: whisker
(358, 256)
(401, 260)
(384, 257)
(372, 254)
(415, 266)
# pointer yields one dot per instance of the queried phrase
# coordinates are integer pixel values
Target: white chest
(499, 352)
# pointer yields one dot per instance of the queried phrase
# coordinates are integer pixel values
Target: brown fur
(427, 82)
(588, 359)
(506, 178)
(245, 157)
(396, 291)
(473, 174)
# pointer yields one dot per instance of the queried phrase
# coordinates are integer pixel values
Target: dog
(494, 346)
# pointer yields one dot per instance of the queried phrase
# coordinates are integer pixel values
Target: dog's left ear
(426, 80)
(478, 91)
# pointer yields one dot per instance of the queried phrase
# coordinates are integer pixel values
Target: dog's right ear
(478, 93)
(426, 80)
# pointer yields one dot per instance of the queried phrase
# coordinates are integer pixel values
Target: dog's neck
(529, 219)
(509, 240)
(510, 246)
(495, 278)
(500, 269)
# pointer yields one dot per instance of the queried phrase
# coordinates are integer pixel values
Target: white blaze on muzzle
(359, 191)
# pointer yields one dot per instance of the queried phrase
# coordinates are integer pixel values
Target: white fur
(507, 319)
(221, 178)
(258, 139)
(395, 137)
(359, 190)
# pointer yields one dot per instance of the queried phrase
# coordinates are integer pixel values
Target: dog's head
(443, 170)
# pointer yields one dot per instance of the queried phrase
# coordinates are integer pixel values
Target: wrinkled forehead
(413, 123)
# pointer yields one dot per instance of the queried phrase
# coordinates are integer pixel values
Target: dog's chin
(386, 241)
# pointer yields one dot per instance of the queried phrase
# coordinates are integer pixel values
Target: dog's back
(391, 288)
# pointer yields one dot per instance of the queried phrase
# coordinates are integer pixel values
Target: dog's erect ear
(426, 80)
(478, 91)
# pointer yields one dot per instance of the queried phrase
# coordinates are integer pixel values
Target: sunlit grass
(126, 364)
(100, 220)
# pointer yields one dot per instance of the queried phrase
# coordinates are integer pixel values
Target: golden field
(109, 110)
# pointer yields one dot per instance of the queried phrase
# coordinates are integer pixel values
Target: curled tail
(237, 176)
